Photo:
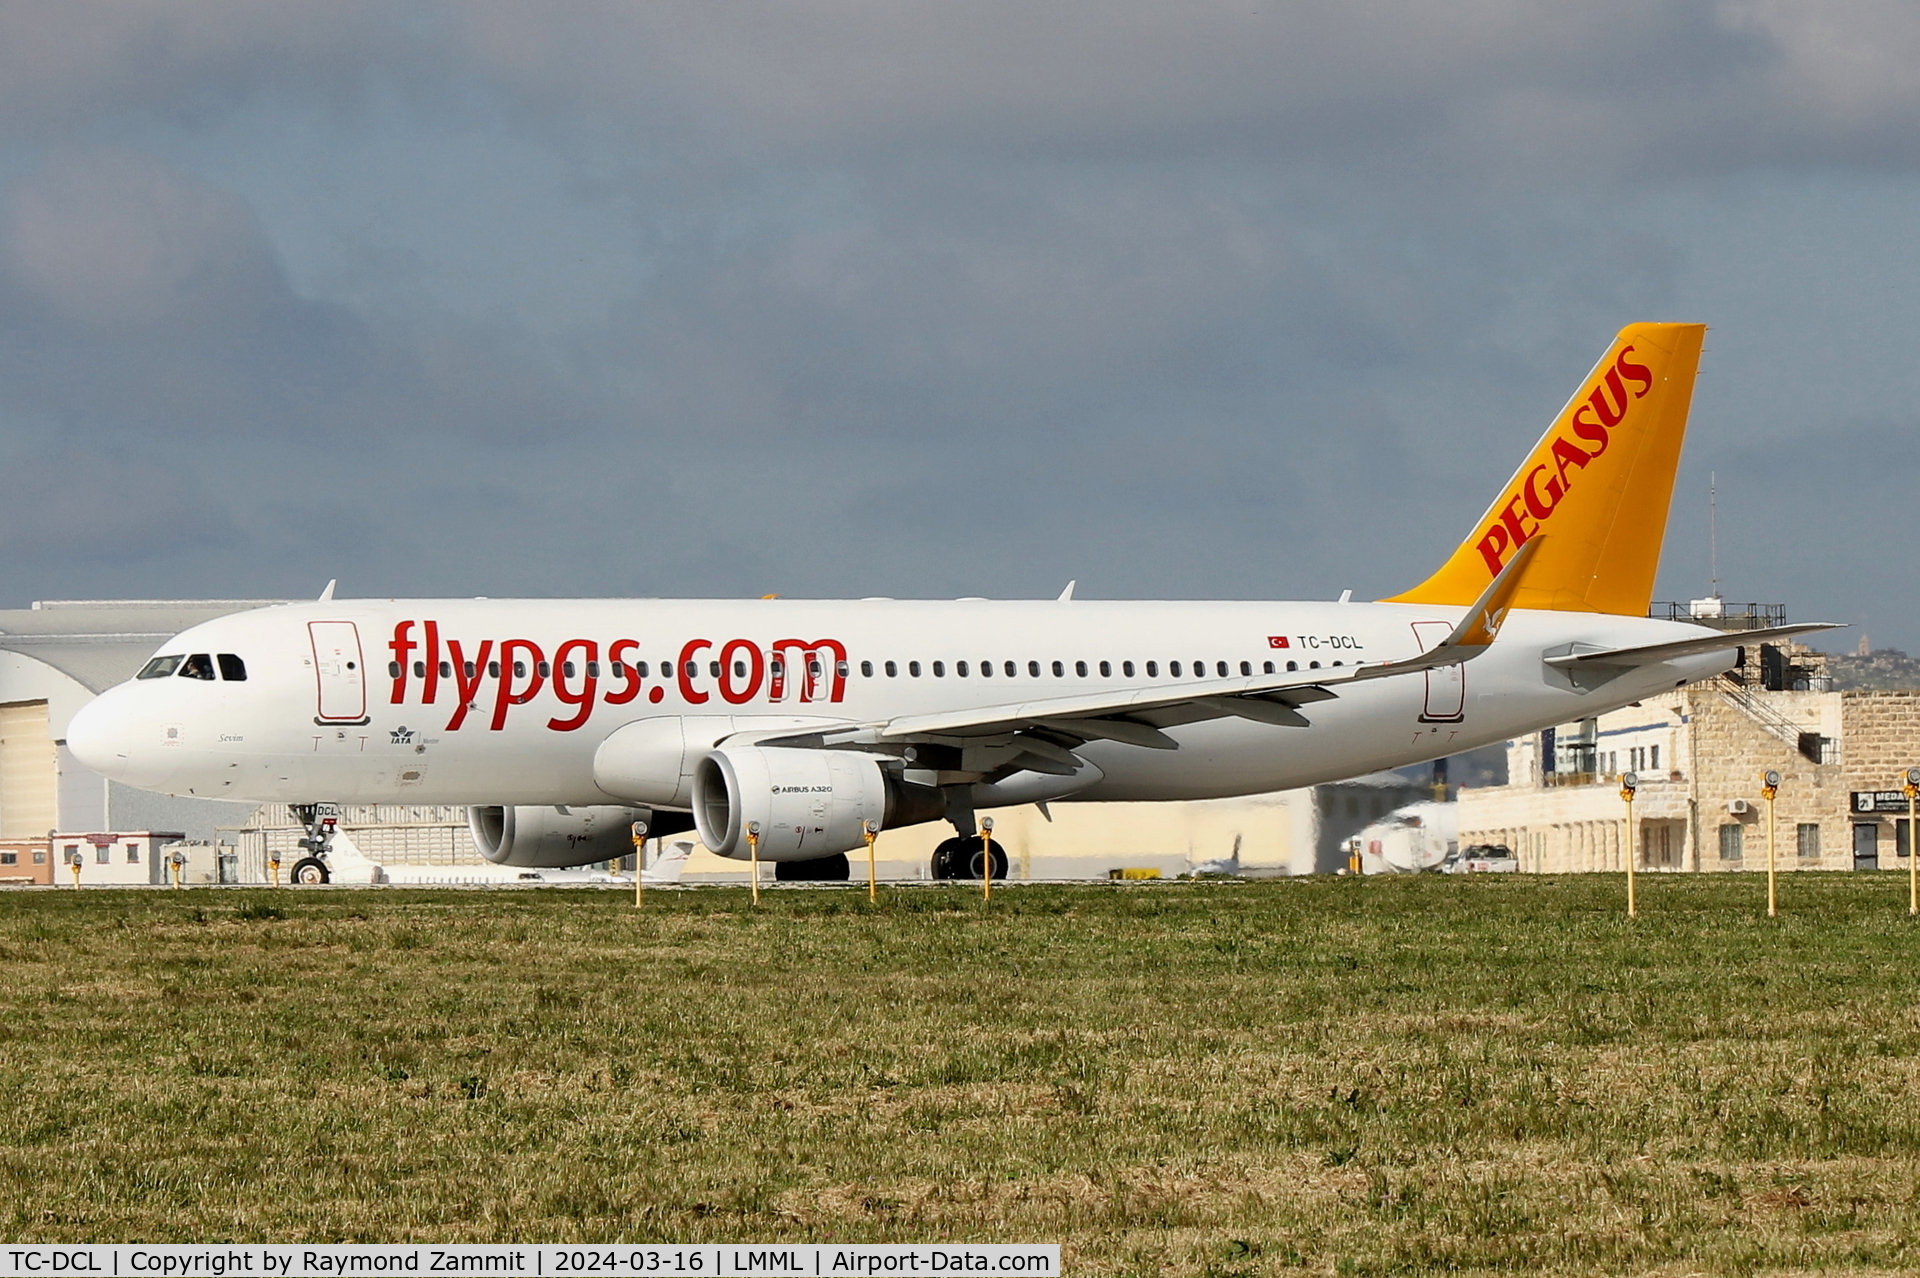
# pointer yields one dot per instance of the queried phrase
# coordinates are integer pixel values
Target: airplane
(789, 730)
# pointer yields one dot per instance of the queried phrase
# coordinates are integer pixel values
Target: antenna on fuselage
(326, 596)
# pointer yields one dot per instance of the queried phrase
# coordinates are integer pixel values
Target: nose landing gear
(311, 869)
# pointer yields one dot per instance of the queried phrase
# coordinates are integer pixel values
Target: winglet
(1482, 623)
(326, 596)
(1067, 594)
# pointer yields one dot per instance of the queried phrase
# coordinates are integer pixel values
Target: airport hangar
(55, 656)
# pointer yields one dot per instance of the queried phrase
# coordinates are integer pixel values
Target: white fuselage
(506, 701)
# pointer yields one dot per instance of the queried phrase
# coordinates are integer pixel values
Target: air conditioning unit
(1739, 807)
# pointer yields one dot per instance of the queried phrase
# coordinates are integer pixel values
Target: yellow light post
(74, 859)
(273, 863)
(1912, 788)
(1629, 782)
(986, 858)
(639, 859)
(753, 854)
(870, 830)
(1769, 787)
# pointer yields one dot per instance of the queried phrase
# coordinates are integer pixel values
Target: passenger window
(1080, 668)
(493, 670)
(1267, 668)
(1173, 668)
(1011, 669)
(866, 670)
(840, 669)
(198, 666)
(893, 670)
(986, 670)
(1313, 665)
(1246, 667)
(543, 668)
(713, 669)
(960, 668)
(693, 668)
(1033, 668)
(619, 669)
(593, 669)
(739, 669)
(232, 669)
(1126, 668)
(1106, 670)
(639, 668)
(567, 669)
(913, 668)
(1059, 671)
(779, 668)
(469, 668)
(393, 670)
(1199, 669)
(1293, 665)
(419, 669)
(939, 670)
(520, 669)
(1221, 669)
(446, 669)
(1153, 670)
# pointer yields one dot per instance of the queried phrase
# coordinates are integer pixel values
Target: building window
(9, 858)
(39, 856)
(1807, 839)
(1902, 836)
(1653, 757)
(102, 854)
(1730, 841)
(133, 854)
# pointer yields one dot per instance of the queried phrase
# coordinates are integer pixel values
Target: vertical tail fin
(1600, 480)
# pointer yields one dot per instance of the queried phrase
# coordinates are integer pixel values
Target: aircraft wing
(1137, 716)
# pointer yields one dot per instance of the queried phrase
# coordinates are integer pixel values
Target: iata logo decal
(1520, 517)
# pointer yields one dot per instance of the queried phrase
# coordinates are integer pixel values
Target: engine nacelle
(809, 803)
(549, 838)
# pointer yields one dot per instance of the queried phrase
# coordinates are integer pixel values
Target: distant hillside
(1888, 670)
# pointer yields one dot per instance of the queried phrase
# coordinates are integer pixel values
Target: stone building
(1699, 754)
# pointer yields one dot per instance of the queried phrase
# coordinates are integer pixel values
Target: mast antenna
(1713, 532)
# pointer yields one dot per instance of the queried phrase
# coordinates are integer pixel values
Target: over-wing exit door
(341, 673)
(1446, 686)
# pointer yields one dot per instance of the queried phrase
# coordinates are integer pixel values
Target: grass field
(1341, 1076)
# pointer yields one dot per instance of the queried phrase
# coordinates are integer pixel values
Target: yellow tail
(1600, 481)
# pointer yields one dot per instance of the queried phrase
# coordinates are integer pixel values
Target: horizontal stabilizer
(1654, 653)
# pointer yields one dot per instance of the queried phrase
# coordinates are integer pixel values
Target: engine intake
(809, 803)
(552, 838)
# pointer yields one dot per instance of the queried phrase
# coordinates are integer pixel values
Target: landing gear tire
(960, 859)
(310, 871)
(824, 869)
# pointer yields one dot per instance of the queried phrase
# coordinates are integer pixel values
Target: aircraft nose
(101, 735)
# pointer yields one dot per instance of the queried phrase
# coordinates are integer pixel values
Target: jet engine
(807, 803)
(552, 838)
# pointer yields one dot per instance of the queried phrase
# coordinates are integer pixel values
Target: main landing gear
(965, 856)
(311, 869)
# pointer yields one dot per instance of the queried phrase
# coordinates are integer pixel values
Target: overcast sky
(1240, 300)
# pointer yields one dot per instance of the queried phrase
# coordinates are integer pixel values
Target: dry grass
(1336, 1076)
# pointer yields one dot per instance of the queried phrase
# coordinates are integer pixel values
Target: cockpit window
(232, 669)
(160, 667)
(198, 666)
